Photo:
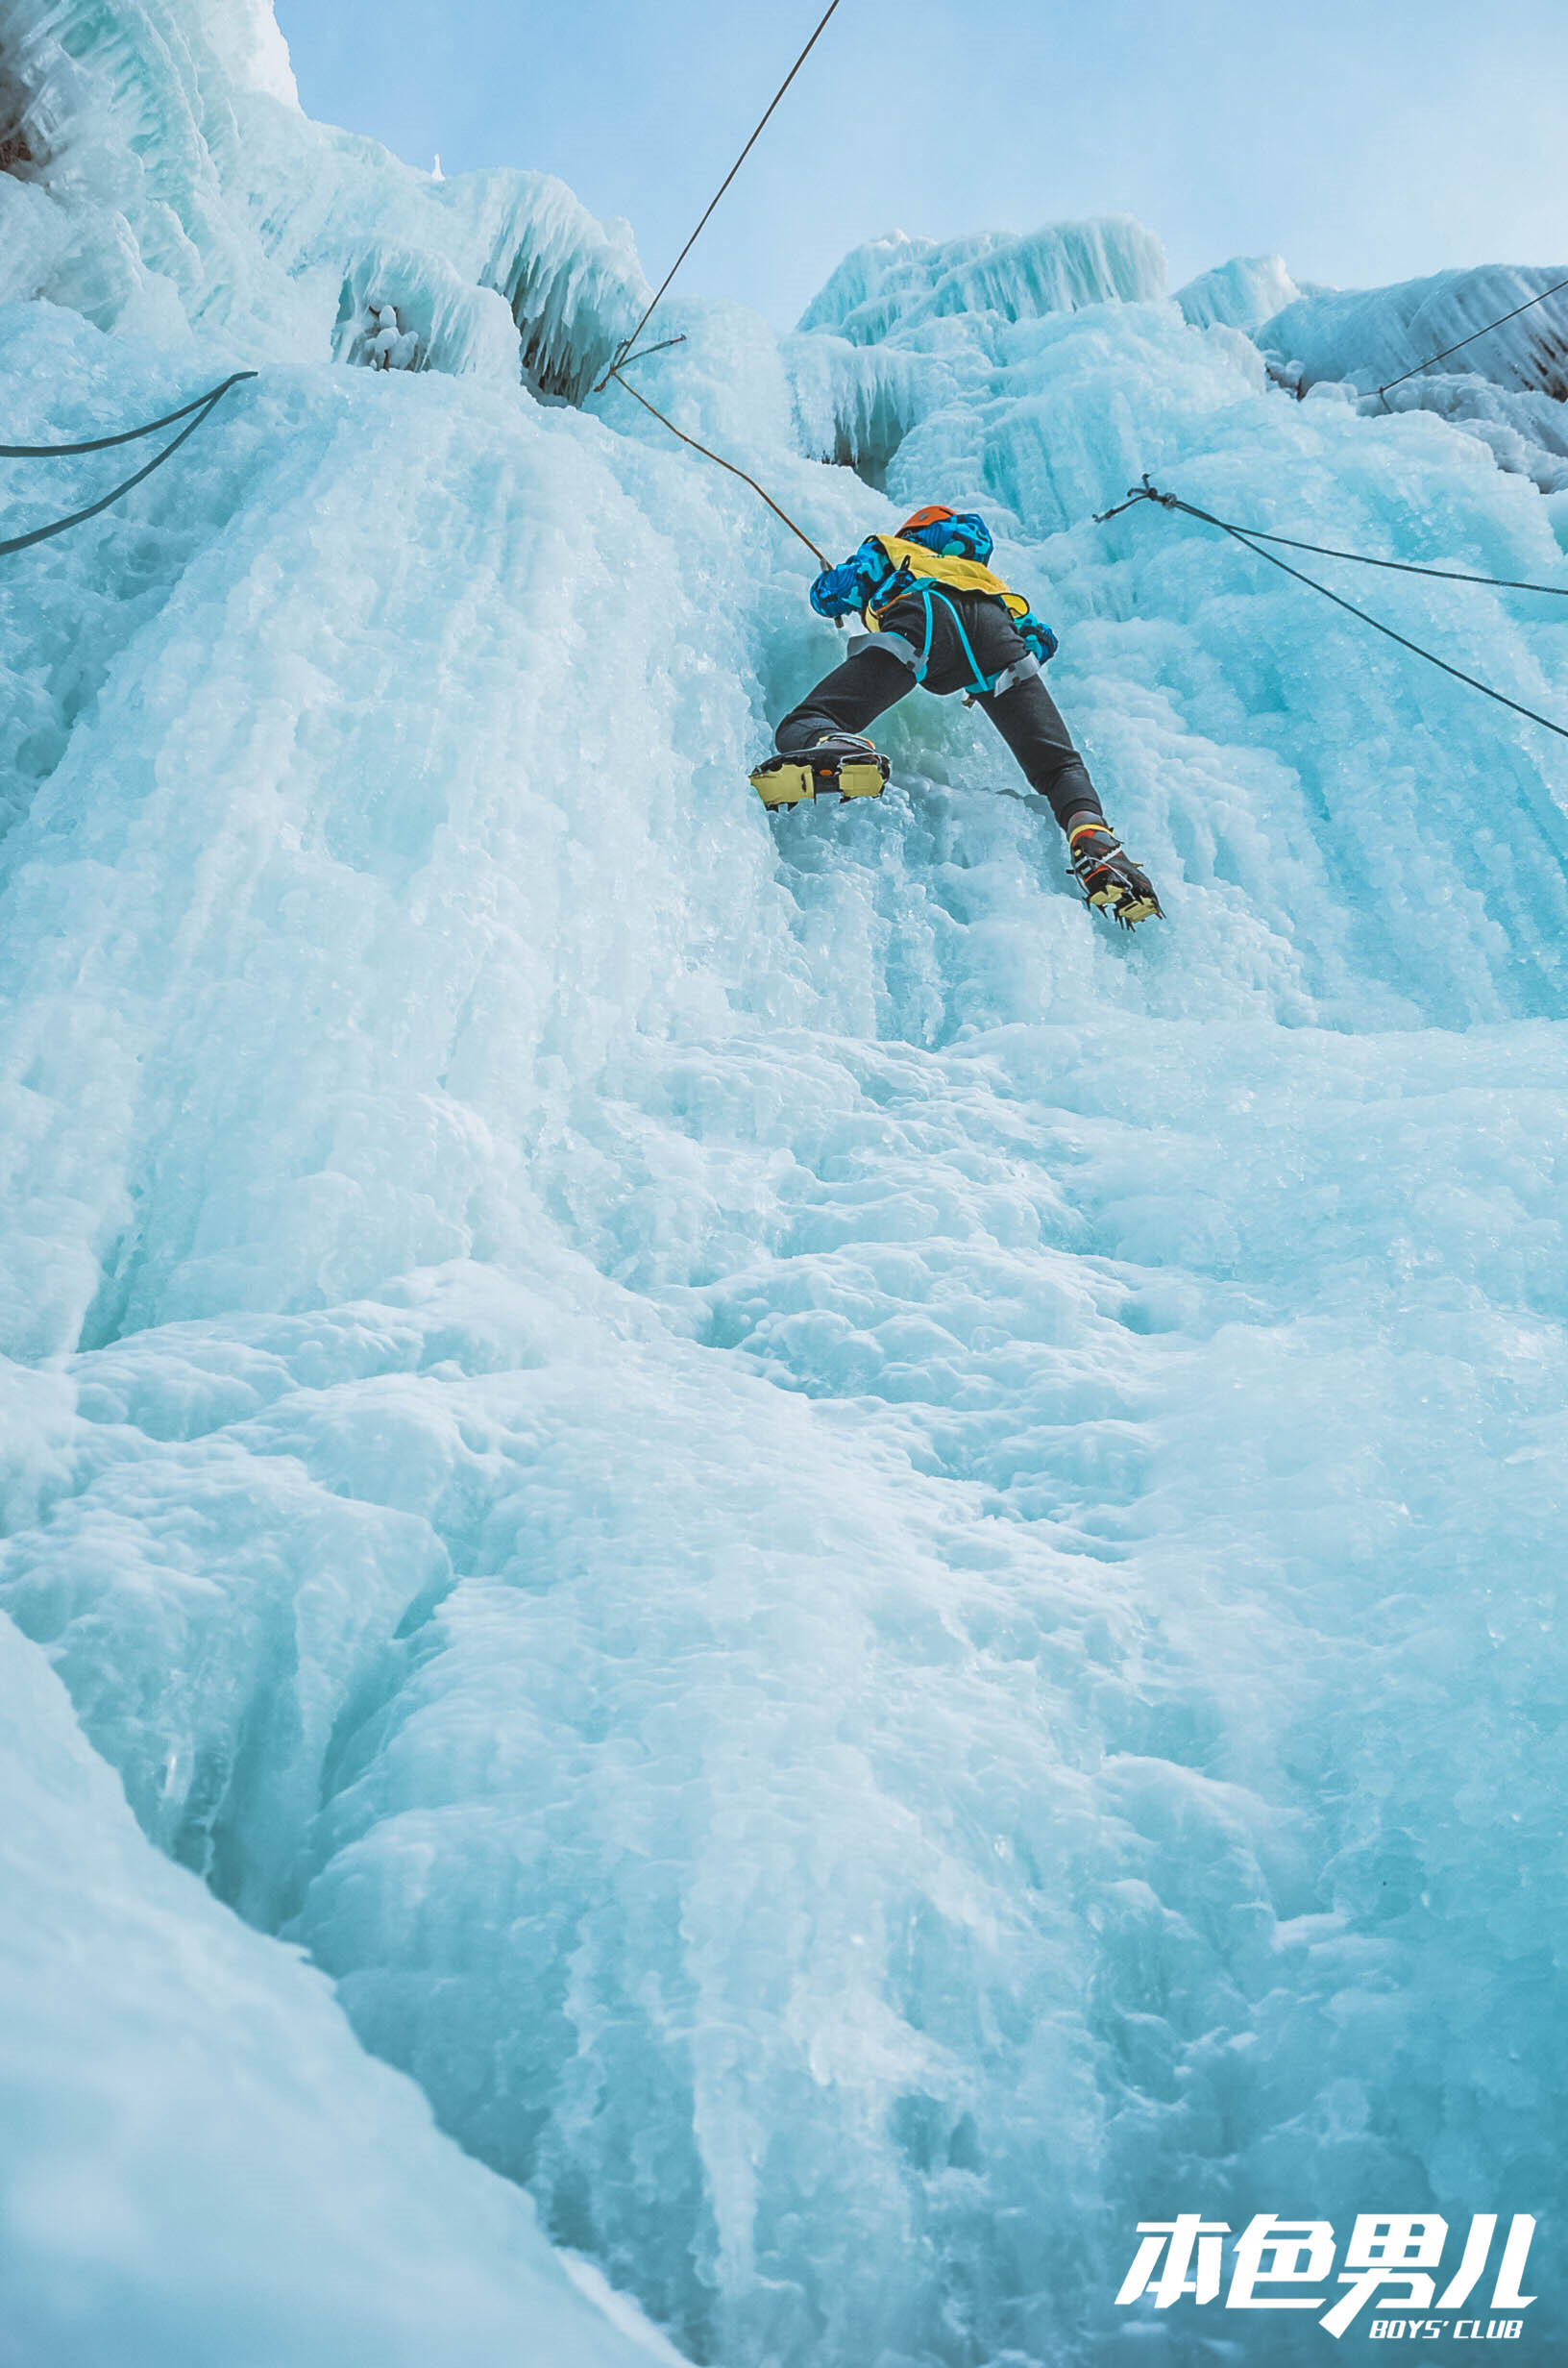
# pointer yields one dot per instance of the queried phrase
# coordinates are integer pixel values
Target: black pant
(865, 685)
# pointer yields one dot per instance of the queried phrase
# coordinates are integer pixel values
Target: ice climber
(939, 617)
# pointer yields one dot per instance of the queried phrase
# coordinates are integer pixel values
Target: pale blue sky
(1363, 141)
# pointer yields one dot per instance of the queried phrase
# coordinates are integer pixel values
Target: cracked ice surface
(871, 1571)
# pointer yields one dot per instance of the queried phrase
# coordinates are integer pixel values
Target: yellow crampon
(1129, 905)
(792, 780)
(780, 783)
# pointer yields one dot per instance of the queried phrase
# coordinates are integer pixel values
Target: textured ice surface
(1371, 335)
(199, 2162)
(163, 178)
(901, 282)
(876, 1573)
(1508, 387)
(1241, 294)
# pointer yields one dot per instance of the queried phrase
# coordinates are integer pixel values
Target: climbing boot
(1109, 878)
(840, 760)
(847, 761)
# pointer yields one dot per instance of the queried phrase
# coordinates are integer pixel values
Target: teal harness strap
(925, 659)
(981, 686)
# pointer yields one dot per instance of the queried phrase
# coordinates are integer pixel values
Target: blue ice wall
(875, 1573)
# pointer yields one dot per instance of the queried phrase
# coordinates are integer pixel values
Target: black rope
(102, 443)
(1471, 340)
(1244, 535)
(626, 343)
(202, 406)
(1328, 550)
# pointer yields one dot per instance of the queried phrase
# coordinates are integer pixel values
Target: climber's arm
(840, 591)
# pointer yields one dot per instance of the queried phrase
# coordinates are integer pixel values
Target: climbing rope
(819, 557)
(1471, 340)
(626, 343)
(1244, 535)
(623, 354)
(128, 436)
(201, 405)
(1325, 550)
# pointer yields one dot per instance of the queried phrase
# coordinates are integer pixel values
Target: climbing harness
(1250, 538)
(899, 646)
(201, 405)
(1383, 391)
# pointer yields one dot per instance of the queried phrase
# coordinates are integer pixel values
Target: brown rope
(821, 557)
(626, 343)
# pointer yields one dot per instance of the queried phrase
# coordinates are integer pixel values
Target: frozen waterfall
(729, 1550)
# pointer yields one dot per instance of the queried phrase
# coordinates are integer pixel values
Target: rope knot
(1148, 491)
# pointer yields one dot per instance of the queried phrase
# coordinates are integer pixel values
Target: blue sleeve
(839, 591)
(1038, 634)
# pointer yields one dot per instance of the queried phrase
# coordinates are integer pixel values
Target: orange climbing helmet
(952, 535)
(927, 517)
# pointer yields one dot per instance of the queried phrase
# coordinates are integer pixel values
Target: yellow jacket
(957, 574)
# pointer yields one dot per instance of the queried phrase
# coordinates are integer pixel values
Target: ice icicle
(163, 177)
(1508, 387)
(1373, 334)
(900, 281)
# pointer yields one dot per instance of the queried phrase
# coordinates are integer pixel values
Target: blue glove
(836, 591)
(1036, 635)
(839, 591)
